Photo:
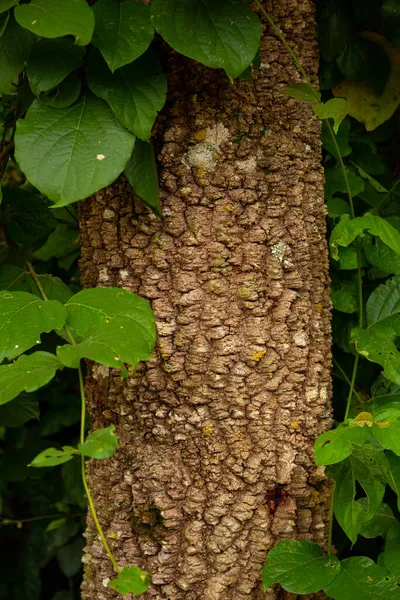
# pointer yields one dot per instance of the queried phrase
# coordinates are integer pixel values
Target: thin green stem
(36, 280)
(284, 42)
(330, 523)
(41, 518)
(352, 386)
(344, 375)
(83, 472)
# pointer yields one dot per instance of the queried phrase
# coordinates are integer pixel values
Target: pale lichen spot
(103, 275)
(100, 372)
(205, 153)
(105, 582)
(279, 250)
(124, 274)
(100, 157)
(247, 166)
(108, 213)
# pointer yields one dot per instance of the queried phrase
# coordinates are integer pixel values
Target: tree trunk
(215, 463)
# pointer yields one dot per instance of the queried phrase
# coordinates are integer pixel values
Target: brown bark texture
(215, 461)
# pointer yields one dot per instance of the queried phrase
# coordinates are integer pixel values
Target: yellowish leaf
(364, 104)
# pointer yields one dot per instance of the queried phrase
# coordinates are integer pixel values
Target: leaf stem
(84, 480)
(344, 375)
(382, 202)
(36, 279)
(41, 518)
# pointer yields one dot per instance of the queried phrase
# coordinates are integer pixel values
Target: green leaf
(361, 578)
(23, 318)
(335, 25)
(336, 109)
(335, 181)
(64, 94)
(302, 91)
(394, 474)
(50, 62)
(56, 524)
(219, 34)
(51, 457)
(70, 557)
(348, 229)
(388, 437)
(380, 523)
(334, 446)
(380, 255)
(299, 566)
(367, 466)
(123, 31)
(342, 139)
(135, 93)
(101, 443)
(345, 292)
(364, 60)
(26, 216)
(376, 342)
(78, 150)
(6, 4)
(391, 556)
(16, 279)
(337, 207)
(141, 172)
(55, 288)
(15, 46)
(72, 480)
(131, 580)
(27, 374)
(24, 408)
(62, 241)
(92, 308)
(51, 19)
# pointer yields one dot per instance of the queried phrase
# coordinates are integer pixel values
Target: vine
(64, 93)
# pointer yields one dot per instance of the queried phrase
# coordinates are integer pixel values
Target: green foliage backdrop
(80, 88)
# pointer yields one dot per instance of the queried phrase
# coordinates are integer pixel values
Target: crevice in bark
(216, 432)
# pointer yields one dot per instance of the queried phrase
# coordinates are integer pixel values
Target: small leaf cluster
(361, 455)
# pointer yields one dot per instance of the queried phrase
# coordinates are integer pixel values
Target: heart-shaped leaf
(131, 580)
(219, 34)
(135, 93)
(78, 150)
(299, 567)
(51, 19)
(27, 374)
(123, 30)
(336, 109)
(141, 172)
(23, 318)
(360, 577)
(101, 443)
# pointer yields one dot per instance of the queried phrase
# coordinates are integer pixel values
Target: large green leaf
(131, 580)
(15, 46)
(380, 522)
(364, 60)
(27, 374)
(135, 93)
(391, 556)
(360, 578)
(123, 30)
(300, 567)
(219, 34)
(388, 437)
(141, 172)
(62, 241)
(23, 318)
(379, 254)
(334, 446)
(55, 288)
(6, 4)
(14, 278)
(367, 466)
(100, 443)
(348, 229)
(51, 19)
(50, 62)
(78, 150)
(89, 309)
(376, 342)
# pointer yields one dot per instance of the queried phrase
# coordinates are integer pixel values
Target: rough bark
(216, 432)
